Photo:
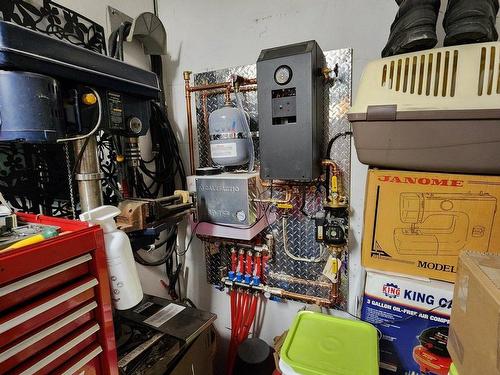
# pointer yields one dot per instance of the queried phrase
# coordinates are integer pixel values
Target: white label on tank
(223, 150)
(164, 315)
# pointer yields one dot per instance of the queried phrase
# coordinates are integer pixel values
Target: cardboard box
(417, 223)
(474, 342)
(413, 317)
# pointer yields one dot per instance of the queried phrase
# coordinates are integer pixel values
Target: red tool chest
(55, 306)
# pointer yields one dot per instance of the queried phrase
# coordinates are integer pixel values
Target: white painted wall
(208, 35)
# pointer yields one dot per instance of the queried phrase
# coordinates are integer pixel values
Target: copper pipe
(306, 298)
(334, 293)
(209, 86)
(226, 88)
(278, 292)
(288, 198)
(330, 163)
(205, 116)
(276, 183)
(227, 92)
(296, 280)
(187, 89)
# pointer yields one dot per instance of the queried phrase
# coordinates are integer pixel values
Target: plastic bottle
(126, 290)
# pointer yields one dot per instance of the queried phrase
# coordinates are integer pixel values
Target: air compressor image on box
(432, 355)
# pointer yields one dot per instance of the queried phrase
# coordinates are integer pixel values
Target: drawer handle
(45, 332)
(9, 324)
(43, 275)
(82, 362)
(60, 351)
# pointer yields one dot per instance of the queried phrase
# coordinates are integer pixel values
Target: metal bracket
(116, 18)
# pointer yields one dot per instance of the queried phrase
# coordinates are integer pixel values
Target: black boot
(470, 21)
(414, 28)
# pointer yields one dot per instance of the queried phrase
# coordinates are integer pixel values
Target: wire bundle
(162, 169)
(167, 159)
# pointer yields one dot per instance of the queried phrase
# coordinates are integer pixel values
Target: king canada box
(413, 318)
(417, 223)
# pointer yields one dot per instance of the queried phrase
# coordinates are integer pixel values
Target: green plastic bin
(453, 370)
(319, 344)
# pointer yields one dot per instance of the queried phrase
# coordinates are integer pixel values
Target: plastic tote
(453, 370)
(319, 344)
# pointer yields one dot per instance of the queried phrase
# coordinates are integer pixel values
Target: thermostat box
(227, 198)
(409, 313)
(474, 342)
(417, 223)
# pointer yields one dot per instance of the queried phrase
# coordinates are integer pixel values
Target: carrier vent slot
(413, 74)
(391, 75)
(454, 73)
(431, 74)
(437, 74)
(492, 69)
(482, 67)
(488, 69)
(421, 75)
(446, 72)
(398, 77)
(405, 75)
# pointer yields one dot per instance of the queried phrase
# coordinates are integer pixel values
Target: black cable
(193, 234)
(332, 141)
(79, 157)
(117, 38)
(303, 205)
(169, 250)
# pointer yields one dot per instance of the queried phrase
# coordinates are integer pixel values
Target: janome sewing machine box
(417, 223)
(413, 318)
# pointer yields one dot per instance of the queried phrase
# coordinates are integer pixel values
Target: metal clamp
(89, 176)
(221, 136)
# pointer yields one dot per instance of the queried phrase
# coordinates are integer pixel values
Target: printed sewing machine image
(442, 223)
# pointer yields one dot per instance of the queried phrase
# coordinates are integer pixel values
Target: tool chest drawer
(55, 307)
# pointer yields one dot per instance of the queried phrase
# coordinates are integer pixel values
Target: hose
(294, 257)
(332, 141)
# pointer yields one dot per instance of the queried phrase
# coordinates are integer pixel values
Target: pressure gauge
(283, 75)
(240, 215)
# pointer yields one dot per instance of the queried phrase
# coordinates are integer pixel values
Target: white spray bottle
(126, 290)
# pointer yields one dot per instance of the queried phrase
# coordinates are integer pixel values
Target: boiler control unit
(290, 98)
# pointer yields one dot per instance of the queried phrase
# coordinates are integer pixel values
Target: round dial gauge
(283, 75)
(240, 215)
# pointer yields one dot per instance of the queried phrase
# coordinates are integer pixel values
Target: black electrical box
(290, 103)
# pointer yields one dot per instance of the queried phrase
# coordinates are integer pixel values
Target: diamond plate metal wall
(284, 272)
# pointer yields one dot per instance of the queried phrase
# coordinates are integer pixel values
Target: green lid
(319, 344)
(453, 370)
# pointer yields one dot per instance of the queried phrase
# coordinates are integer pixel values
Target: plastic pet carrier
(434, 110)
